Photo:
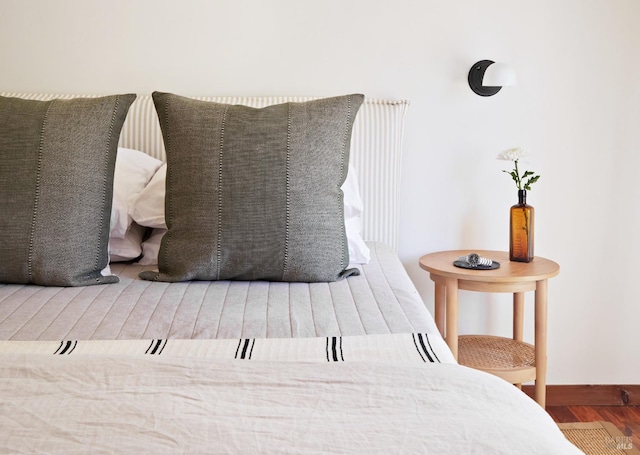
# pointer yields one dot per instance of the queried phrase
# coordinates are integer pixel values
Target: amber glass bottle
(521, 230)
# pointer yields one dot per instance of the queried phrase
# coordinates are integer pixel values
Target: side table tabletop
(512, 277)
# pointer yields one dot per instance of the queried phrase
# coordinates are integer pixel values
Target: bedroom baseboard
(590, 395)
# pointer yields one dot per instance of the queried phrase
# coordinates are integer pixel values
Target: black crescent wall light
(487, 77)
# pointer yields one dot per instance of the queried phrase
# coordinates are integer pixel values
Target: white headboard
(376, 150)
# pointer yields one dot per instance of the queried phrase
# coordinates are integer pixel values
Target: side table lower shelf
(511, 360)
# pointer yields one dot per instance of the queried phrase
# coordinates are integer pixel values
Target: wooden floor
(626, 418)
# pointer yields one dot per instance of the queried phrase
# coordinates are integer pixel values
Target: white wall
(577, 108)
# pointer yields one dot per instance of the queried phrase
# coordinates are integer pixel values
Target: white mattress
(381, 300)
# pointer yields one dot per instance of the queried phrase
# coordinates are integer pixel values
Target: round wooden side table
(511, 359)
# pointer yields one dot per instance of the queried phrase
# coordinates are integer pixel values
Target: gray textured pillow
(254, 194)
(56, 180)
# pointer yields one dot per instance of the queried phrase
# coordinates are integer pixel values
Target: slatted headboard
(376, 150)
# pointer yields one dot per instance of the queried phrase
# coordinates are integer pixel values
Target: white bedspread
(105, 403)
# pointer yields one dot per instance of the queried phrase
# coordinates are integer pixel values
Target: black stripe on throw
(246, 345)
(334, 344)
(431, 347)
(327, 350)
(415, 343)
(59, 347)
(238, 348)
(66, 347)
(253, 343)
(156, 346)
(424, 348)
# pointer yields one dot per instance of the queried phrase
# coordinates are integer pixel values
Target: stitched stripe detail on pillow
(36, 198)
(288, 199)
(220, 199)
(254, 194)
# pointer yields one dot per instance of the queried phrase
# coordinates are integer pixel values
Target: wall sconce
(487, 77)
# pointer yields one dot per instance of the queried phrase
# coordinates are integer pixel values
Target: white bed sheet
(170, 404)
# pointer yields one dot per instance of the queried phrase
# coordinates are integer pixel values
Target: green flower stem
(517, 176)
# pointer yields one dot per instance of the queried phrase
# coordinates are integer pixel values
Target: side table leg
(541, 341)
(452, 315)
(518, 315)
(518, 319)
(439, 306)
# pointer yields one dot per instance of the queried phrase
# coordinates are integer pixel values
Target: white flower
(522, 182)
(513, 154)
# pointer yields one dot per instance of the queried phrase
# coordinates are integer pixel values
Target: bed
(162, 359)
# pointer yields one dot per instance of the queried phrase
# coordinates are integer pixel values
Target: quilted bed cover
(381, 300)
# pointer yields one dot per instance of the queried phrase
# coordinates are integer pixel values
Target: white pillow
(151, 247)
(358, 250)
(148, 210)
(129, 247)
(133, 171)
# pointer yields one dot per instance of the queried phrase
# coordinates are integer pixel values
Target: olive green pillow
(57, 160)
(254, 194)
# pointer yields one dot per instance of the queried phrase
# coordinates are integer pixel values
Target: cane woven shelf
(512, 360)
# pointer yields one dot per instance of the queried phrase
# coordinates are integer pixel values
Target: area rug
(598, 438)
